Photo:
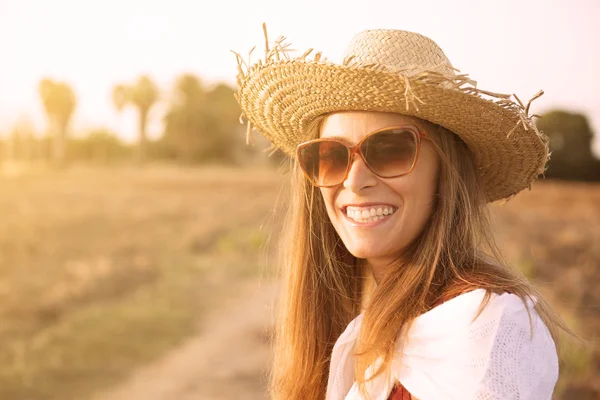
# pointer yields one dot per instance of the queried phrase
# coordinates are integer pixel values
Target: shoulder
(459, 349)
(471, 311)
(520, 355)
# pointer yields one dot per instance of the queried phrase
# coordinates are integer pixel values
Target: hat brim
(282, 99)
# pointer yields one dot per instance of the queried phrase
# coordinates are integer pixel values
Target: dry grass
(102, 270)
(553, 234)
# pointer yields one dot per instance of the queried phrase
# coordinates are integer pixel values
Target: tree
(203, 125)
(570, 144)
(184, 120)
(59, 102)
(22, 143)
(142, 95)
(223, 129)
(100, 145)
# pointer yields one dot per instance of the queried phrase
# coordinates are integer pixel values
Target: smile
(368, 214)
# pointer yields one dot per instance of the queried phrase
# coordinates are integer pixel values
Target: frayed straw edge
(525, 119)
(272, 149)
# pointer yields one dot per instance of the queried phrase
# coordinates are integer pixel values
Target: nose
(360, 176)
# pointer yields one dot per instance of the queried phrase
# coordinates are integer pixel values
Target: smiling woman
(393, 285)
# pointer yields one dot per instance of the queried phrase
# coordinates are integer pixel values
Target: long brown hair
(324, 286)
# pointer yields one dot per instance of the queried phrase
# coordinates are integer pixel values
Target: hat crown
(397, 50)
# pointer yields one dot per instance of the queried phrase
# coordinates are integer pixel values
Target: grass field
(103, 270)
(553, 234)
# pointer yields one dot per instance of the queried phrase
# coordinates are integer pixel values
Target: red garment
(399, 393)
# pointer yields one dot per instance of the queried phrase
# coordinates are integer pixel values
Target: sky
(507, 46)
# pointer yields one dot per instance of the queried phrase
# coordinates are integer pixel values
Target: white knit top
(451, 355)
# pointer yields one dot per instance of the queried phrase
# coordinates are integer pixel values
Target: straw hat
(400, 72)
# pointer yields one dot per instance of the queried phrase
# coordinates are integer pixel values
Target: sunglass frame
(419, 135)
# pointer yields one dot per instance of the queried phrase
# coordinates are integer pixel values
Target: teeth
(368, 214)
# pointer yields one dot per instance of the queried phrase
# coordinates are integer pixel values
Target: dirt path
(227, 361)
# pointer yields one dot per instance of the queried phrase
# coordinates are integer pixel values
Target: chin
(362, 252)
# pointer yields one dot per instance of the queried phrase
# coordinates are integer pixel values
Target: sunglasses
(388, 153)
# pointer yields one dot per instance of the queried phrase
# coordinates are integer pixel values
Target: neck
(380, 266)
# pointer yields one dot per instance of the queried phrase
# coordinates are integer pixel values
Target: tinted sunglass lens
(324, 162)
(392, 152)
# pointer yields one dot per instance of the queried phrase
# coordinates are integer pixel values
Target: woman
(393, 286)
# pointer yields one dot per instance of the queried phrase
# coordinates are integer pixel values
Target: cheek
(416, 198)
(424, 189)
(418, 191)
(424, 179)
(329, 195)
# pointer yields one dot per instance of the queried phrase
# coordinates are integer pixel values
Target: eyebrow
(343, 139)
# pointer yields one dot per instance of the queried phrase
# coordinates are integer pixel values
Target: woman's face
(409, 197)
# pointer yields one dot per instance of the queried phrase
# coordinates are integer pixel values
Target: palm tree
(59, 102)
(143, 95)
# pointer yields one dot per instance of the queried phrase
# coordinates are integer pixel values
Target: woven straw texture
(400, 72)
